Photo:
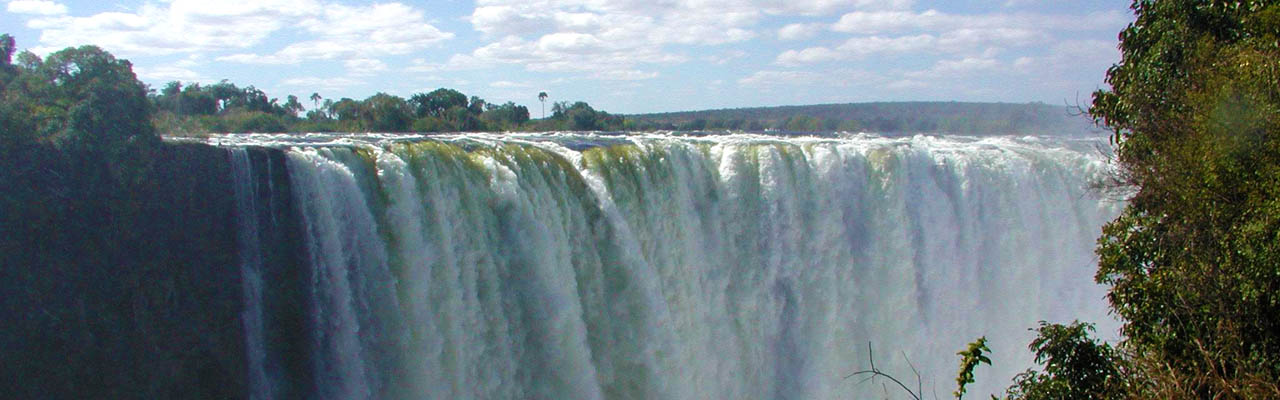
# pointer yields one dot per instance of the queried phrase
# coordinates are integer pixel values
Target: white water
(250, 249)
(736, 267)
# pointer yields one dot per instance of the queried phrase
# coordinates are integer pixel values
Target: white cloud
(344, 32)
(880, 22)
(509, 84)
(37, 7)
(180, 26)
(794, 78)
(318, 83)
(951, 69)
(192, 60)
(1071, 56)
(624, 75)
(906, 84)
(932, 32)
(364, 66)
(966, 39)
(458, 62)
(1018, 3)
(168, 74)
(725, 57)
(611, 39)
(199, 26)
(859, 47)
(799, 31)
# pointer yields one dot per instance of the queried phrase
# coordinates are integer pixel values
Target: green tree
(387, 113)
(1075, 366)
(292, 106)
(7, 47)
(542, 98)
(476, 106)
(437, 102)
(86, 98)
(506, 116)
(1193, 263)
(346, 109)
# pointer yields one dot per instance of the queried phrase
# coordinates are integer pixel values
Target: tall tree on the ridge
(315, 98)
(542, 97)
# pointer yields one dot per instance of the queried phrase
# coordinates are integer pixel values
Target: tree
(1194, 111)
(476, 105)
(1075, 366)
(7, 47)
(505, 116)
(315, 99)
(542, 98)
(387, 113)
(91, 100)
(292, 106)
(223, 93)
(346, 109)
(436, 102)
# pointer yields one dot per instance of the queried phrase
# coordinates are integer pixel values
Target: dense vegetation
(892, 118)
(224, 107)
(1193, 262)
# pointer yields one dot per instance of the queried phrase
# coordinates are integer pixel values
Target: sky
(622, 56)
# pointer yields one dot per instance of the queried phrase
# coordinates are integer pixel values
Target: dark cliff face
(286, 278)
(121, 280)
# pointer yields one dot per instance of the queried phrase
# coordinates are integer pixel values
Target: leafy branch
(969, 360)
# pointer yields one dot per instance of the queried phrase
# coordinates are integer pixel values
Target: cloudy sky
(623, 56)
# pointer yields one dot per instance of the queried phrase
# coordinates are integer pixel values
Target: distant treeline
(225, 107)
(890, 118)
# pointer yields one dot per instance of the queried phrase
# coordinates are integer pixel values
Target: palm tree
(542, 97)
(315, 98)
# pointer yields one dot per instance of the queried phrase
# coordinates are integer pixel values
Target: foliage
(579, 116)
(437, 102)
(82, 98)
(507, 116)
(970, 357)
(1193, 263)
(1075, 366)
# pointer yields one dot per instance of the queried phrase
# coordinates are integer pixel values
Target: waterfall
(250, 255)
(743, 267)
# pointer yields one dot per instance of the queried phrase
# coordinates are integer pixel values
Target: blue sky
(623, 56)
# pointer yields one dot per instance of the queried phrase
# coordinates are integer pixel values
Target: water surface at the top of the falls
(579, 141)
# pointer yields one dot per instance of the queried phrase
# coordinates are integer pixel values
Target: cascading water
(733, 267)
(250, 254)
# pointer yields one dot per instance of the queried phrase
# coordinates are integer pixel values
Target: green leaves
(1075, 366)
(1192, 261)
(970, 357)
